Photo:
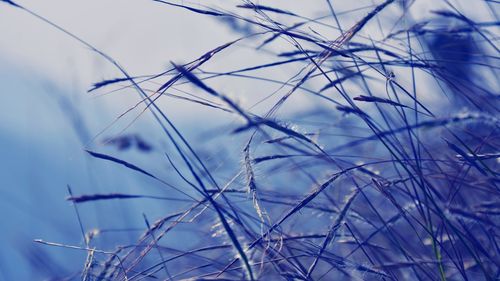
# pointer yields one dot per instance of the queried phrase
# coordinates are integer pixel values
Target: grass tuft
(367, 149)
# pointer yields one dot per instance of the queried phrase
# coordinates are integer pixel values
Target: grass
(377, 159)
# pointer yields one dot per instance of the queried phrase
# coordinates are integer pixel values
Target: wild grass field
(329, 140)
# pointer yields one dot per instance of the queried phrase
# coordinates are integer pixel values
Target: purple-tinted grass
(390, 174)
